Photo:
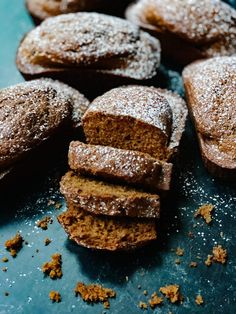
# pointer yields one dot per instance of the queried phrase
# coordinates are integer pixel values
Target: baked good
(211, 92)
(120, 165)
(107, 233)
(103, 198)
(33, 112)
(138, 118)
(42, 9)
(70, 48)
(188, 29)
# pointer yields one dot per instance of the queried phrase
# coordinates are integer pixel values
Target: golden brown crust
(106, 233)
(126, 166)
(211, 91)
(206, 28)
(102, 198)
(48, 49)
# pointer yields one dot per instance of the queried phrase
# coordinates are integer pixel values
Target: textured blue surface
(151, 267)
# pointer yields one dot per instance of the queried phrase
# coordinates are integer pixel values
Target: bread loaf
(137, 118)
(211, 91)
(188, 29)
(69, 47)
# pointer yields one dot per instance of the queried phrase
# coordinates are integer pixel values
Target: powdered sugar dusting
(208, 24)
(211, 86)
(95, 40)
(141, 102)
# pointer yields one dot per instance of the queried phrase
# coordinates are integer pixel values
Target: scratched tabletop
(23, 287)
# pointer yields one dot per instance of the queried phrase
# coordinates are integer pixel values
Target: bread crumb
(139, 286)
(179, 251)
(172, 293)
(143, 305)
(53, 268)
(145, 292)
(127, 278)
(94, 293)
(4, 269)
(219, 254)
(177, 261)
(58, 205)
(43, 223)
(208, 261)
(47, 241)
(155, 300)
(55, 296)
(205, 211)
(199, 300)
(4, 259)
(14, 244)
(193, 264)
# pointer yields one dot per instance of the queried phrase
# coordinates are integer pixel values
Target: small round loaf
(188, 29)
(69, 47)
(32, 112)
(42, 9)
(138, 118)
(211, 91)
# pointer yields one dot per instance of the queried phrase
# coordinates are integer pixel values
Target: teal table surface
(152, 267)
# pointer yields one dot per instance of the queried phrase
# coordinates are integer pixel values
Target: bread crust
(189, 29)
(120, 165)
(33, 112)
(155, 112)
(103, 198)
(88, 51)
(42, 9)
(211, 91)
(107, 233)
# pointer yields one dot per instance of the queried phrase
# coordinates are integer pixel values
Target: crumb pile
(43, 223)
(55, 296)
(53, 268)
(14, 244)
(172, 293)
(205, 212)
(219, 255)
(94, 293)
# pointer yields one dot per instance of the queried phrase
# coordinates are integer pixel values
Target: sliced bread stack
(132, 134)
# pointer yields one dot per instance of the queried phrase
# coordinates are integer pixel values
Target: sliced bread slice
(107, 233)
(103, 198)
(122, 165)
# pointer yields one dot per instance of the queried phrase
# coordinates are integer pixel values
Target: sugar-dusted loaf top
(31, 112)
(213, 92)
(89, 40)
(140, 102)
(209, 24)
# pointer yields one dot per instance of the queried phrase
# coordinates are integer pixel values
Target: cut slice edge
(103, 198)
(106, 233)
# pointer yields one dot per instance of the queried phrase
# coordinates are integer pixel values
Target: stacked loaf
(132, 135)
